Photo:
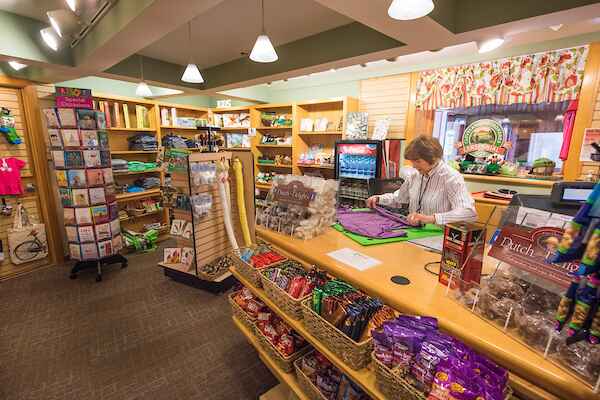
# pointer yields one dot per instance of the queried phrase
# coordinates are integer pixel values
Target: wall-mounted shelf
(178, 127)
(264, 128)
(274, 165)
(276, 146)
(138, 195)
(148, 171)
(131, 129)
(316, 166)
(325, 133)
(133, 152)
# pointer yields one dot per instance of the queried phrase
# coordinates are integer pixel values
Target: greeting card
(187, 231)
(72, 234)
(66, 116)
(172, 256)
(105, 249)
(97, 196)
(117, 243)
(105, 158)
(306, 124)
(66, 197)
(110, 193)
(81, 197)
(89, 138)
(54, 138)
(91, 158)
(59, 158)
(69, 216)
(187, 256)
(108, 175)
(70, 137)
(177, 227)
(51, 118)
(100, 120)
(74, 159)
(83, 216)
(102, 139)
(95, 177)
(103, 231)
(115, 226)
(86, 119)
(76, 178)
(61, 178)
(75, 251)
(89, 251)
(113, 211)
(86, 234)
(100, 214)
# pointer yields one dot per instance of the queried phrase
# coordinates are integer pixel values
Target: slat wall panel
(10, 98)
(386, 96)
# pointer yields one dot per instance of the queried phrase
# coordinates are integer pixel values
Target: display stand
(201, 256)
(80, 151)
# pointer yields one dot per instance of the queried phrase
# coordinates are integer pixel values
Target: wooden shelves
(138, 195)
(177, 128)
(326, 133)
(234, 129)
(132, 152)
(287, 378)
(364, 377)
(315, 166)
(263, 186)
(274, 165)
(139, 216)
(148, 171)
(131, 129)
(273, 128)
(275, 146)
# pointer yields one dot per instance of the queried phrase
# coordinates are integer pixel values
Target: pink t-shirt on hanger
(10, 176)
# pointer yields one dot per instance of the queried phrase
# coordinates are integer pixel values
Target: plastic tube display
(241, 201)
(222, 178)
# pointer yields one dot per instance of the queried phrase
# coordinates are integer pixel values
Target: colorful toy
(7, 126)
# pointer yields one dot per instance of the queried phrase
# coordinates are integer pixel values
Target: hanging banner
(73, 97)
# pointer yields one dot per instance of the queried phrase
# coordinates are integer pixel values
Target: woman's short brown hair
(424, 148)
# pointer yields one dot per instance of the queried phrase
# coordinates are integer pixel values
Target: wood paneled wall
(387, 96)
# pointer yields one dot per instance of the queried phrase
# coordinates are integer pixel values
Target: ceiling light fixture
(49, 38)
(556, 28)
(192, 73)
(405, 10)
(263, 50)
(72, 4)
(17, 66)
(489, 45)
(142, 90)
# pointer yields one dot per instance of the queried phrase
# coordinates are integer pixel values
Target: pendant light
(142, 90)
(263, 50)
(49, 37)
(72, 4)
(405, 10)
(192, 73)
(17, 66)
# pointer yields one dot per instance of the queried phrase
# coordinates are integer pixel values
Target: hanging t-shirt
(10, 176)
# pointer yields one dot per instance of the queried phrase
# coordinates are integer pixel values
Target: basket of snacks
(245, 307)
(250, 261)
(321, 380)
(415, 361)
(288, 283)
(342, 318)
(279, 340)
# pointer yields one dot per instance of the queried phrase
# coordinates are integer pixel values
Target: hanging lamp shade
(192, 74)
(405, 10)
(263, 50)
(143, 90)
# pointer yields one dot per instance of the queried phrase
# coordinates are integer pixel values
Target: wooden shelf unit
(226, 131)
(119, 148)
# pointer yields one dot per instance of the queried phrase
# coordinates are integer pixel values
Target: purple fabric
(378, 223)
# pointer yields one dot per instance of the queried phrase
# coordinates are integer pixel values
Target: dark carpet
(136, 335)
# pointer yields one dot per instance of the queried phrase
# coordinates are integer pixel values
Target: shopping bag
(26, 241)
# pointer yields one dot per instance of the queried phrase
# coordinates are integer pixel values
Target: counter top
(424, 296)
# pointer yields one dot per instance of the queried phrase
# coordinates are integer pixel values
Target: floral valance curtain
(538, 78)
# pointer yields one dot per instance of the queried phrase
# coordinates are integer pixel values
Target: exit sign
(224, 103)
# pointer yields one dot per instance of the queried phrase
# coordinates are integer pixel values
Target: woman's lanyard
(422, 193)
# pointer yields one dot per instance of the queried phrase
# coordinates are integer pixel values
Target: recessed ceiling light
(72, 4)
(556, 28)
(64, 22)
(17, 66)
(49, 37)
(405, 10)
(489, 45)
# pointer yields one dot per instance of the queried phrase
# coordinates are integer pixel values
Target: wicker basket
(285, 363)
(287, 303)
(248, 271)
(240, 314)
(308, 388)
(394, 386)
(356, 355)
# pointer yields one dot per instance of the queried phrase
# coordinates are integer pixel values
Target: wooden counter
(424, 296)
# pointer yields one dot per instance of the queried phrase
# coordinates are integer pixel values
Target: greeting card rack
(202, 246)
(82, 162)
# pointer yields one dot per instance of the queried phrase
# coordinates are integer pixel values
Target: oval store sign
(483, 138)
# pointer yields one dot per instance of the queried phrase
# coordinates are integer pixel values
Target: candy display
(294, 280)
(260, 257)
(278, 333)
(437, 363)
(249, 303)
(328, 380)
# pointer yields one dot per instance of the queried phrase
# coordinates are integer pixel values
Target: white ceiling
(222, 33)
(37, 9)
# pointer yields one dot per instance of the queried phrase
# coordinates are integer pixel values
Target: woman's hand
(418, 219)
(372, 201)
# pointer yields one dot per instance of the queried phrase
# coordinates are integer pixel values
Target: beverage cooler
(360, 162)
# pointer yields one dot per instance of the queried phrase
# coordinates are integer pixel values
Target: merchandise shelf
(138, 195)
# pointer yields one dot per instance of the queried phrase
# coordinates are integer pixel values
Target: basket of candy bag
(342, 318)
(245, 307)
(415, 361)
(288, 283)
(250, 261)
(321, 380)
(279, 340)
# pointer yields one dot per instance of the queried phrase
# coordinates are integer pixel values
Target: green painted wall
(323, 91)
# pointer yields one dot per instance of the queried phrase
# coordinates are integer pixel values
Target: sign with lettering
(294, 193)
(482, 138)
(73, 97)
(528, 249)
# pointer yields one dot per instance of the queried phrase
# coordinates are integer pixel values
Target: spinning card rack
(209, 240)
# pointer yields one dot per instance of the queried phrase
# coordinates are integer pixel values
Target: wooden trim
(231, 109)
(181, 106)
(322, 101)
(273, 105)
(7, 81)
(114, 97)
(508, 180)
(38, 155)
(585, 111)
(411, 115)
